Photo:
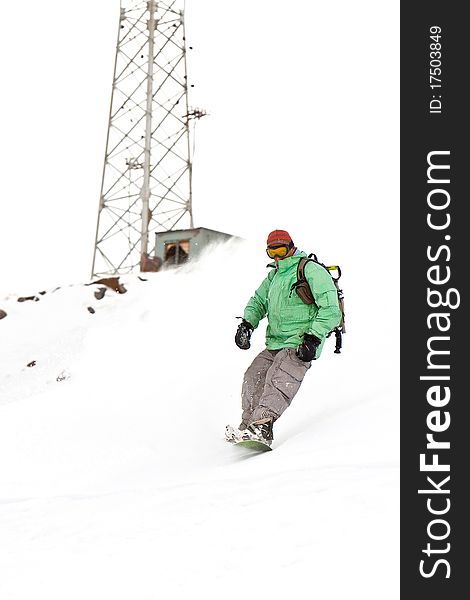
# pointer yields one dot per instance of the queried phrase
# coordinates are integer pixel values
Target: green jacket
(288, 317)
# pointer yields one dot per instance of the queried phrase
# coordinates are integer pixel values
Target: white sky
(302, 134)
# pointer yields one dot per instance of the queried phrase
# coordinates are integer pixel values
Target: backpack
(304, 292)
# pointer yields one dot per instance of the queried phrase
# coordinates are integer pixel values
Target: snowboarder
(294, 337)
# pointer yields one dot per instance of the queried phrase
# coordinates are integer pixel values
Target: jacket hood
(286, 263)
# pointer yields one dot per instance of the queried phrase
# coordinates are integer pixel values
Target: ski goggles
(277, 251)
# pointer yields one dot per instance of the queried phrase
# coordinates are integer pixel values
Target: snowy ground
(115, 481)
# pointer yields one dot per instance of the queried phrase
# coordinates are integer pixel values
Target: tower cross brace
(146, 183)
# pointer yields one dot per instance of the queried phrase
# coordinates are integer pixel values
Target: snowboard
(253, 445)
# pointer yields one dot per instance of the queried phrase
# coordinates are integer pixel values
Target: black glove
(308, 348)
(243, 335)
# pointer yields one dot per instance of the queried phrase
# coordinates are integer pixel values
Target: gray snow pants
(270, 383)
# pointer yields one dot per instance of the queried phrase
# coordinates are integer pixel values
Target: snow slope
(115, 481)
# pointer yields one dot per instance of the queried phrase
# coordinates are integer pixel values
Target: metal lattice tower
(146, 185)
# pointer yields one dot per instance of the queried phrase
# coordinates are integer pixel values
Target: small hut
(178, 246)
